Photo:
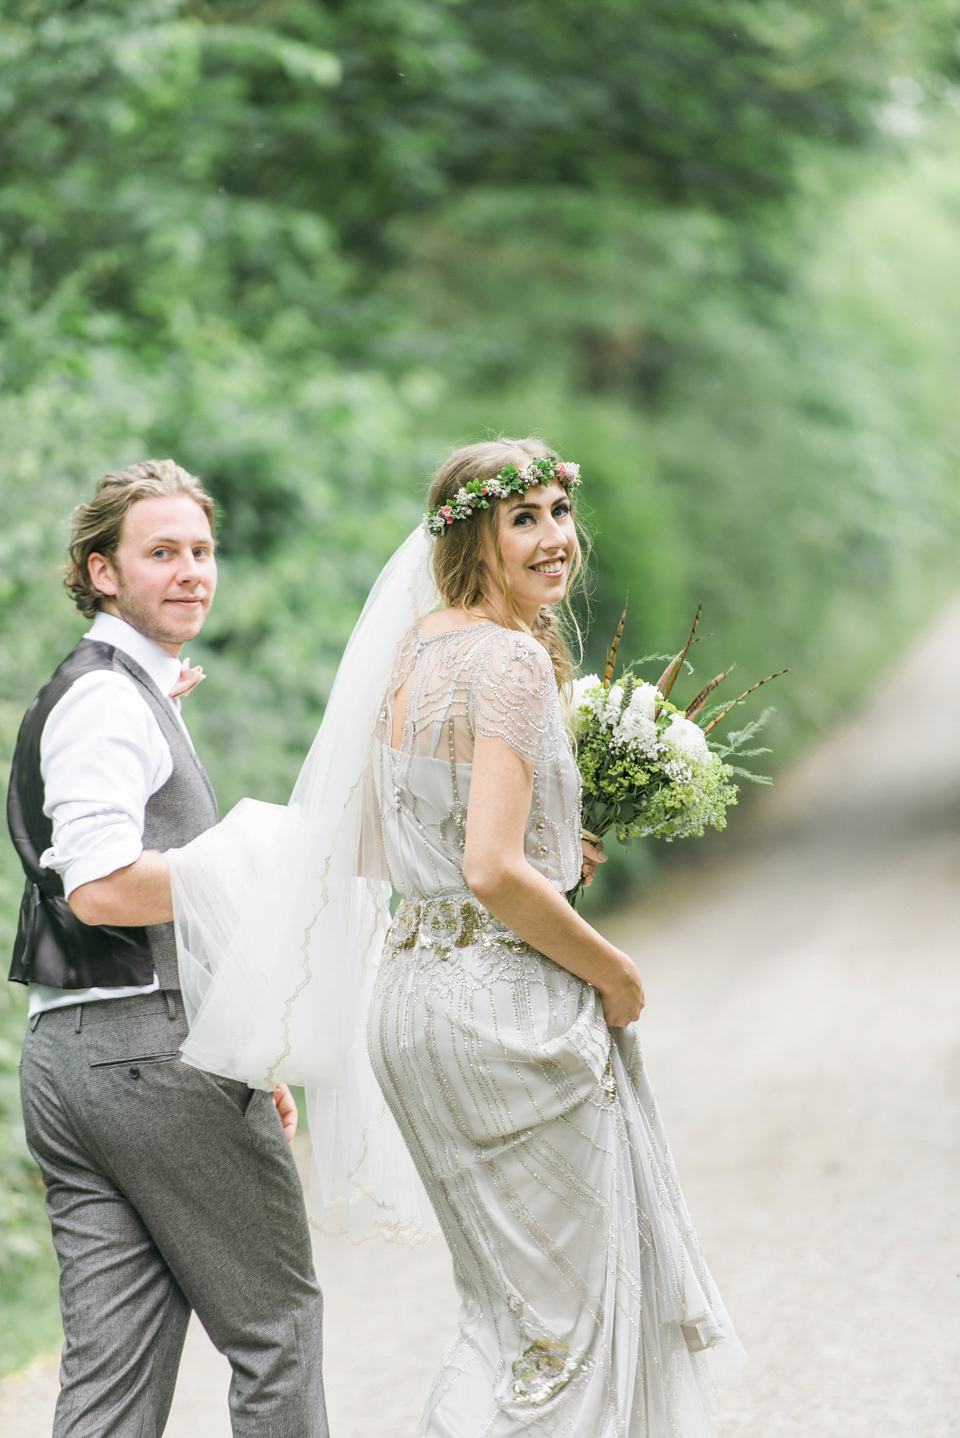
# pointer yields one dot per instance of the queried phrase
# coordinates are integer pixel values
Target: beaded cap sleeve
(481, 681)
(509, 698)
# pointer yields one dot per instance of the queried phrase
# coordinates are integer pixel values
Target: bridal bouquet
(648, 767)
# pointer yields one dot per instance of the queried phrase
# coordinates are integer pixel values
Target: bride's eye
(560, 510)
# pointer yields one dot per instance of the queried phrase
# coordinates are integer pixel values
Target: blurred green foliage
(707, 249)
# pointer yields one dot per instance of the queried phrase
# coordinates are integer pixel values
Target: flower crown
(477, 493)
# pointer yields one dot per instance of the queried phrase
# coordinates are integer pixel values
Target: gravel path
(803, 1035)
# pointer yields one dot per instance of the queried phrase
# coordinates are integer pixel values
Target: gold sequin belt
(449, 922)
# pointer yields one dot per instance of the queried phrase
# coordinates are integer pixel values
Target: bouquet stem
(572, 895)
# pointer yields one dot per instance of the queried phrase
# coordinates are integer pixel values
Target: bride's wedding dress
(587, 1310)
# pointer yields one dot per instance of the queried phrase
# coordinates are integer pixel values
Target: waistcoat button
(134, 1073)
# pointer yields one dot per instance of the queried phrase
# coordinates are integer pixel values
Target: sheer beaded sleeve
(510, 693)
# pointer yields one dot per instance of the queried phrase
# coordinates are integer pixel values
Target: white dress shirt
(102, 755)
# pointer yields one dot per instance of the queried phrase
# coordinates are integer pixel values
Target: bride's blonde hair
(458, 560)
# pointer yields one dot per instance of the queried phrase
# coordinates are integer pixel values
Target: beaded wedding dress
(586, 1309)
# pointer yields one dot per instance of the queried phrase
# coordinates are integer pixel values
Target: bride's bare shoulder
(442, 621)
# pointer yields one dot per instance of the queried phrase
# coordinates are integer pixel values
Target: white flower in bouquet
(646, 700)
(609, 703)
(678, 771)
(687, 738)
(646, 768)
(582, 696)
(636, 727)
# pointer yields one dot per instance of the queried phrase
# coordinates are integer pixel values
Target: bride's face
(538, 545)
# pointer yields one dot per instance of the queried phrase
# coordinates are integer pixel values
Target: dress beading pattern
(586, 1308)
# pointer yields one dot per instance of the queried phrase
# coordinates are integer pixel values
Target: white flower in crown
(687, 739)
(477, 493)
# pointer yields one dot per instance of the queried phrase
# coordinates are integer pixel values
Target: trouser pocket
(134, 1059)
(236, 1091)
(135, 1062)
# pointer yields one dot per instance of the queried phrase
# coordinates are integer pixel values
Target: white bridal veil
(280, 918)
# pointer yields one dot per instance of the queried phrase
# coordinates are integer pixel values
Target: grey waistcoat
(52, 946)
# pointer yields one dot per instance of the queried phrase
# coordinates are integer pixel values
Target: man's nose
(188, 570)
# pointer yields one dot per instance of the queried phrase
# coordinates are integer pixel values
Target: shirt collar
(162, 667)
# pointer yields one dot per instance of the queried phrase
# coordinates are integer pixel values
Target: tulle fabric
(280, 916)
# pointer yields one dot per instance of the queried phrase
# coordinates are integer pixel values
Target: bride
(498, 1021)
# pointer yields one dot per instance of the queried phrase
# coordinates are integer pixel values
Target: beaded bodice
(482, 681)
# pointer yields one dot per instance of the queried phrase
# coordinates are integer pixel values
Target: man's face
(163, 575)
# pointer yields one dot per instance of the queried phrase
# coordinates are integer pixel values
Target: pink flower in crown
(446, 512)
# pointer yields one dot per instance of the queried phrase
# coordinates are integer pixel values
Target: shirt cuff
(97, 863)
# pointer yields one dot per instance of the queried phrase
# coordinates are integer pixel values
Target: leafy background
(708, 249)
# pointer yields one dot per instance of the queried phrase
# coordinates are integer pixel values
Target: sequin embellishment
(542, 1370)
(438, 924)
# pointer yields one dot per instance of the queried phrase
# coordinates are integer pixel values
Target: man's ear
(103, 576)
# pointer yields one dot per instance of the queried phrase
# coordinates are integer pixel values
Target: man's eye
(160, 553)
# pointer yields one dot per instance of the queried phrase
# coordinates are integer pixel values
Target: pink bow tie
(189, 679)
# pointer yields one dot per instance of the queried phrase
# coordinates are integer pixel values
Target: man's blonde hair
(96, 527)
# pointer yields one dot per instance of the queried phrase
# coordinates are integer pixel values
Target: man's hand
(287, 1110)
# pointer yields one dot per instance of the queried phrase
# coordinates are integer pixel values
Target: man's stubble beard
(140, 617)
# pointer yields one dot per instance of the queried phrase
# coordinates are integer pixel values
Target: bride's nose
(553, 537)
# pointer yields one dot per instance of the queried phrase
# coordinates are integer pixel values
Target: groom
(168, 1188)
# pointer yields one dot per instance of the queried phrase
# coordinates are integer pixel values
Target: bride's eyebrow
(526, 504)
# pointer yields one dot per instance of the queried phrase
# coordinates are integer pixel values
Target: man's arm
(138, 894)
(102, 755)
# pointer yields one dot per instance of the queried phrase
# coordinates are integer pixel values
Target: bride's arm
(497, 871)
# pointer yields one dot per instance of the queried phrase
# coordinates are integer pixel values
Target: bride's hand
(592, 856)
(287, 1109)
(622, 998)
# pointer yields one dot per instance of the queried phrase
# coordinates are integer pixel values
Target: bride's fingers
(287, 1109)
(592, 856)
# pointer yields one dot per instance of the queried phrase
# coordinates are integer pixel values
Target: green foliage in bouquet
(647, 767)
(641, 784)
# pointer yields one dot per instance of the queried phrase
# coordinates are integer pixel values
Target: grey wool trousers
(168, 1189)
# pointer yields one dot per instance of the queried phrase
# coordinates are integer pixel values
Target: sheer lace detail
(510, 694)
(483, 681)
